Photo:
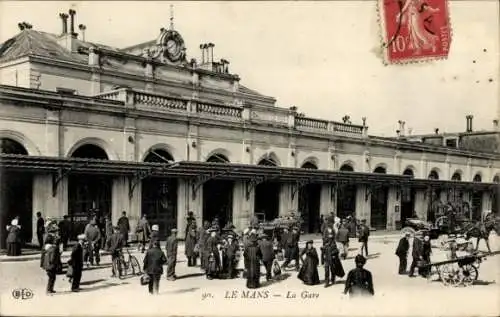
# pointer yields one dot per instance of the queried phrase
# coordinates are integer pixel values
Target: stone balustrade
(278, 117)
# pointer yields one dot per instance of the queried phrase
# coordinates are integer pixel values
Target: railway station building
(88, 127)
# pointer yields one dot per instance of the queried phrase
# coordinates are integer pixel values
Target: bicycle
(122, 266)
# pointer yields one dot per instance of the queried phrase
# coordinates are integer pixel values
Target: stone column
(184, 206)
(121, 201)
(243, 209)
(486, 201)
(328, 199)
(421, 204)
(45, 202)
(393, 207)
(363, 204)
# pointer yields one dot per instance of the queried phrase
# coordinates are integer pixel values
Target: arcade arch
(408, 198)
(267, 194)
(379, 197)
(89, 195)
(309, 203)
(16, 194)
(346, 195)
(218, 195)
(159, 194)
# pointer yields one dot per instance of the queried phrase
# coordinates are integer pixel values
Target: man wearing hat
(171, 248)
(155, 235)
(416, 252)
(359, 281)
(203, 235)
(292, 248)
(267, 250)
(212, 255)
(230, 256)
(402, 253)
(190, 219)
(76, 263)
(115, 245)
(364, 233)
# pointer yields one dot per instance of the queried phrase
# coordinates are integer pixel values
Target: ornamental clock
(172, 46)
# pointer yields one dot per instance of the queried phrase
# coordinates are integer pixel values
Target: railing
(347, 128)
(277, 117)
(146, 99)
(219, 110)
(311, 123)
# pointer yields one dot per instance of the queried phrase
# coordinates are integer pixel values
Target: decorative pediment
(169, 48)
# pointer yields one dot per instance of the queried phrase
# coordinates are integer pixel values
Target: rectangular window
(451, 143)
(66, 91)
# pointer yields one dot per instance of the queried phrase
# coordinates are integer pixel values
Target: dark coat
(109, 229)
(92, 233)
(331, 255)
(253, 255)
(50, 258)
(154, 261)
(403, 247)
(231, 249)
(155, 235)
(14, 235)
(76, 259)
(191, 240)
(171, 246)
(40, 226)
(123, 224)
(115, 242)
(309, 271)
(202, 238)
(359, 282)
(364, 233)
(417, 248)
(267, 250)
(343, 235)
(143, 230)
(64, 227)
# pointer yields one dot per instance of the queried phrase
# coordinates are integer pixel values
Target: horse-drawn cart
(460, 271)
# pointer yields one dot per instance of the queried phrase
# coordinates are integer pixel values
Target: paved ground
(192, 294)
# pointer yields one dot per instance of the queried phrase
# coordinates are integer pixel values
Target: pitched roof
(247, 90)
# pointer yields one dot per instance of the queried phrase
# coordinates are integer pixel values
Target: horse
(481, 231)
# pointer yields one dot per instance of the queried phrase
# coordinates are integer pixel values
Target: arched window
(9, 146)
(159, 156)
(309, 165)
(380, 170)
(433, 175)
(218, 158)
(456, 177)
(408, 172)
(267, 162)
(90, 151)
(346, 168)
(477, 178)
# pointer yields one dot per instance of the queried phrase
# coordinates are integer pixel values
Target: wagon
(460, 271)
(440, 227)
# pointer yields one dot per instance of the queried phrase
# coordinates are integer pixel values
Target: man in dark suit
(364, 233)
(153, 266)
(64, 230)
(124, 226)
(416, 254)
(267, 250)
(171, 248)
(40, 228)
(402, 253)
(76, 263)
(230, 251)
(292, 248)
(114, 245)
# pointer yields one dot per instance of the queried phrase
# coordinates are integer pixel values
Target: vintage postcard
(288, 158)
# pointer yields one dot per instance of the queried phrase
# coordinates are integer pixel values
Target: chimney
(469, 123)
(436, 130)
(403, 128)
(82, 29)
(64, 20)
(495, 124)
(202, 48)
(72, 14)
(211, 47)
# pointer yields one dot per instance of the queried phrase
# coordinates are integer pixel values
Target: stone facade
(129, 105)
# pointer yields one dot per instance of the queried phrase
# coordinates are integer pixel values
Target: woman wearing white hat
(14, 238)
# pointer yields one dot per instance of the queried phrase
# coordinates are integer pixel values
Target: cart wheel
(450, 276)
(134, 263)
(409, 230)
(468, 274)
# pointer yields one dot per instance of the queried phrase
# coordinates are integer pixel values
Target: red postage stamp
(415, 30)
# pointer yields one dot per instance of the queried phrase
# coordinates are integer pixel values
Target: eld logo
(22, 293)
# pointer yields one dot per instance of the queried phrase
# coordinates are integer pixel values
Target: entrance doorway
(159, 196)
(267, 196)
(16, 195)
(477, 200)
(309, 204)
(218, 196)
(407, 200)
(89, 195)
(346, 196)
(379, 197)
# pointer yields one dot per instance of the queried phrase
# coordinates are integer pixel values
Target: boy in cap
(171, 248)
(359, 281)
(76, 263)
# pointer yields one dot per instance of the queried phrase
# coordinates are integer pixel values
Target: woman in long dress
(252, 256)
(14, 238)
(309, 271)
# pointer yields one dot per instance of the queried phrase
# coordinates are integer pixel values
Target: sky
(318, 56)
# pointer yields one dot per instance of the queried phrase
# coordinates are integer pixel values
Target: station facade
(87, 127)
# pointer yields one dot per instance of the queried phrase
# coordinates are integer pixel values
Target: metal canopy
(200, 172)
